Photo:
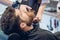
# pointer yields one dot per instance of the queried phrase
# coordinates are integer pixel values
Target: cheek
(25, 17)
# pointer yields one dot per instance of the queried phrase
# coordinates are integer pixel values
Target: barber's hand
(36, 20)
(24, 7)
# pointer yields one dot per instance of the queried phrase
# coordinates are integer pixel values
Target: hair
(10, 22)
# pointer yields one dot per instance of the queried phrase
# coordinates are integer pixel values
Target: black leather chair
(3, 36)
(57, 34)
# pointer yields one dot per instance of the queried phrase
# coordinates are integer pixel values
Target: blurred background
(50, 20)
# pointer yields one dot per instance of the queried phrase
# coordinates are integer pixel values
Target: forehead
(20, 13)
(17, 12)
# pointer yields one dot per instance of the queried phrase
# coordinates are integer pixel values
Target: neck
(28, 28)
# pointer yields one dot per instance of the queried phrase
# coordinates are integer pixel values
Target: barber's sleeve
(45, 1)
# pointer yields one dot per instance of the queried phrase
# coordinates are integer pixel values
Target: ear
(23, 25)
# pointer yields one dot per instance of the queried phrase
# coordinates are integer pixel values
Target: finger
(25, 10)
(36, 20)
(28, 7)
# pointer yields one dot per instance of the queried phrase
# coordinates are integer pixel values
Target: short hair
(10, 22)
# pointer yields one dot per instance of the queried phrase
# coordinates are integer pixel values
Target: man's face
(25, 16)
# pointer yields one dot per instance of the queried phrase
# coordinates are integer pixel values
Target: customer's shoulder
(46, 32)
(47, 35)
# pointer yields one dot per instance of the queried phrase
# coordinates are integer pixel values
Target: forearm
(6, 2)
(40, 11)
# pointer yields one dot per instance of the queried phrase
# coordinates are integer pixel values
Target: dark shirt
(35, 34)
(40, 34)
